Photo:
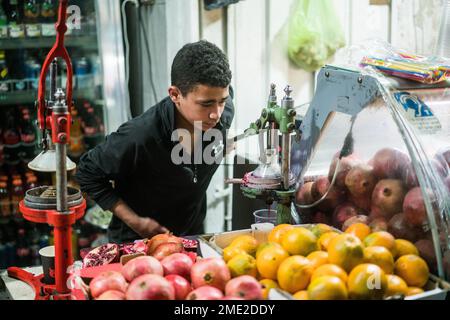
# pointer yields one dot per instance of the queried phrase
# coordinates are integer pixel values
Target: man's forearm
(122, 211)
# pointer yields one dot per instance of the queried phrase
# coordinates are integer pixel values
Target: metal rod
(53, 76)
(286, 160)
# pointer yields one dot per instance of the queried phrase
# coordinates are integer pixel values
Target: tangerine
(277, 233)
(367, 282)
(396, 286)
(269, 260)
(318, 258)
(359, 229)
(330, 270)
(413, 269)
(404, 247)
(346, 251)
(299, 241)
(325, 239)
(242, 264)
(294, 274)
(267, 284)
(380, 256)
(327, 288)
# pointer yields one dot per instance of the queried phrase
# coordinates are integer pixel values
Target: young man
(151, 193)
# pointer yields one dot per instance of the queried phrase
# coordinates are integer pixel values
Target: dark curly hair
(200, 63)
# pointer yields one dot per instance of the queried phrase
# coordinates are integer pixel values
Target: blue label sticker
(414, 103)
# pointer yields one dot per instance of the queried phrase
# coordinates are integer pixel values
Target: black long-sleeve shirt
(137, 158)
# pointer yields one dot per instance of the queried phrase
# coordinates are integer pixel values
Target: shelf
(29, 97)
(85, 42)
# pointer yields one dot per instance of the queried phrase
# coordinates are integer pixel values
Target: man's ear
(175, 94)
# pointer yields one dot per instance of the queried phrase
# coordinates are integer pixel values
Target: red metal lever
(58, 51)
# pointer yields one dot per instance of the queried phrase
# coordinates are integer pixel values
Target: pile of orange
(320, 263)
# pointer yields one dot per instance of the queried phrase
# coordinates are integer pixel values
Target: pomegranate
(101, 256)
(205, 293)
(105, 281)
(177, 263)
(441, 168)
(245, 287)
(210, 271)
(401, 229)
(231, 298)
(361, 181)
(320, 217)
(364, 202)
(346, 164)
(414, 207)
(356, 219)
(378, 224)
(387, 198)
(141, 265)
(150, 287)
(390, 163)
(303, 195)
(181, 286)
(343, 213)
(426, 251)
(166, 249)
(191, 255)
(159, 239)
(332, 200)
(112, 295)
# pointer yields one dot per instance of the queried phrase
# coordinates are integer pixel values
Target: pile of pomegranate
(383, 193)
(166, 272)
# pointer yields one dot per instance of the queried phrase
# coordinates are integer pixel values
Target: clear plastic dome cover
(394, 171)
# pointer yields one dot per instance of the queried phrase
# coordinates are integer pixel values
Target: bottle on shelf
(28, 138)
(19, 82)
(76, 146)
(48, 18)
(34, 236)
(23, 249)
(4, 73)
(15, 26)
(32, 72)
(5, 201)
(31, 12)
(11, 140)
(31, 182)
(93, 134)
(3, 22)
(17, 195)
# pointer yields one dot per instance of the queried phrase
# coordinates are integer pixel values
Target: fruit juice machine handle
(58, 51)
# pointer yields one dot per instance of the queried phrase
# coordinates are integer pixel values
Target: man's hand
(147, 227)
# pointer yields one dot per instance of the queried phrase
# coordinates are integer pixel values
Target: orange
(404, 247)
(381, 238)
(330, 270)
(367, 282)
(299, 241)
(301, 295)
(320, 229)
(229, 252)
(346, 251)
(396, 286)
(264, 246)
(277, 233)
(267, 284)
(318, 258)
(380, 256)
(269, 260)
(246, 243)
(327, 288)
(294, 274)
(412, 291)
(413, 269)
(242, 264)
(360, 230)
(325, 240)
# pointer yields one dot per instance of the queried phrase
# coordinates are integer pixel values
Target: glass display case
(377, 150)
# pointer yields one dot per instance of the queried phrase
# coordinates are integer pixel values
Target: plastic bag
(315, 33)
